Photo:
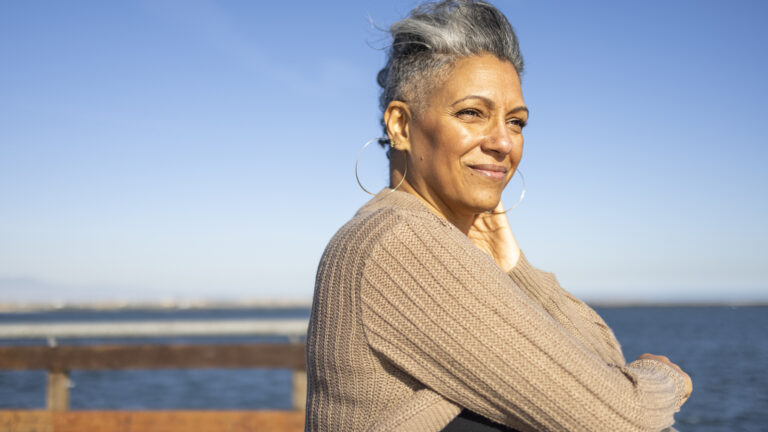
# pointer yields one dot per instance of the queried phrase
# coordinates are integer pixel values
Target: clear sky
(155, 150)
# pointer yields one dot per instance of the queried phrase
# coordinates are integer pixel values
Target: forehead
(483, 75)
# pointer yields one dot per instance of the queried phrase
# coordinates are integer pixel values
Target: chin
(483, 202)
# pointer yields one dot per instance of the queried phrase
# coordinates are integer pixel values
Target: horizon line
(307, 303)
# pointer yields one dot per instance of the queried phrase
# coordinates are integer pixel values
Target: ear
(398, 117)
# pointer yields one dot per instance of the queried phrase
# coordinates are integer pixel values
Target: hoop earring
(357, 161)
(522, 195)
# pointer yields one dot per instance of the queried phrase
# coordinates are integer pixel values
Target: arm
(492, 233)
(441, 310)
(578, 318)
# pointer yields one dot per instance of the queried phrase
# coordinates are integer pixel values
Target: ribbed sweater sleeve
(573, 314)
(441, 310)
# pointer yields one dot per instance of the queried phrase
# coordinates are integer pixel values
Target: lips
(496, 172)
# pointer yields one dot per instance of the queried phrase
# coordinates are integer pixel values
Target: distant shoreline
(155, 305)
(622, 304)
(291, 304)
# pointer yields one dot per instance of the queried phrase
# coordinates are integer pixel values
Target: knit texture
(411, 322)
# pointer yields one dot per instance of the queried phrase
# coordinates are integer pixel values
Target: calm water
(724, 349)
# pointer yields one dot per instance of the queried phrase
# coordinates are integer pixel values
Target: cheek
(517, 152)
(451, 158)
(440, 153)
(433, 155)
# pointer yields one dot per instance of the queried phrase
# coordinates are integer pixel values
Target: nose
(500, 139)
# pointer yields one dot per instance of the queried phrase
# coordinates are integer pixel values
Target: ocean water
(723, 349)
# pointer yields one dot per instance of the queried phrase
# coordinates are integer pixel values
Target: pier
(59, 360)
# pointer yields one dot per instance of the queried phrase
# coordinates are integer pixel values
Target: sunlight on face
(467, 141)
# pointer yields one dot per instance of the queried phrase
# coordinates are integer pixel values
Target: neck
(462, 221)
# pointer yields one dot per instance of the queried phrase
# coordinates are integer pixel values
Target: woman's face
(466, 141)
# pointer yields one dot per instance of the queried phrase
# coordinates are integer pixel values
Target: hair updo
(428, 42)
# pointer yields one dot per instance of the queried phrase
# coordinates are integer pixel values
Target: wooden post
(299, 389)
(58, 391)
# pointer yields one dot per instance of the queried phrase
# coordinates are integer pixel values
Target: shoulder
(369, 228)
(419, 247)
(374, 234)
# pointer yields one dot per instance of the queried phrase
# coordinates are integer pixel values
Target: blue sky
(157, 150)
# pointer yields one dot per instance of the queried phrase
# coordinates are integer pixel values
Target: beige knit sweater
(411, 322)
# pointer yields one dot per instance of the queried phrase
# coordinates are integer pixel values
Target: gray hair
(428, 42)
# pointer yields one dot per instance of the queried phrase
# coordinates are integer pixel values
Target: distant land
(20, 294)
(154, 305)
(7, 307)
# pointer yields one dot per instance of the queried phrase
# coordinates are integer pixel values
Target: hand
(493, 235)
(665, 360)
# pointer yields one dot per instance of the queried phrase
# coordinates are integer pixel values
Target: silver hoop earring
(357, 161)
(522, 195)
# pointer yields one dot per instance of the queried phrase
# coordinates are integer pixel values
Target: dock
(60, 360)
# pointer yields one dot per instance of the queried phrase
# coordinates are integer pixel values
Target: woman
(426, 315)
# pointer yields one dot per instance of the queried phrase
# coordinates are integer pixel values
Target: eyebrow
(490, 102)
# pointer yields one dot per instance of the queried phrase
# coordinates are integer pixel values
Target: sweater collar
(389, 198)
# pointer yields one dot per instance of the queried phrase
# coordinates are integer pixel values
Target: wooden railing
(292, 328)
(60, 360)
(151, 421)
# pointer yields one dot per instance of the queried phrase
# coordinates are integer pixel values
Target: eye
(469, 113)
(516, 123)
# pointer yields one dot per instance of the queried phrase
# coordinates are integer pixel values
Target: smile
(496, 172)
